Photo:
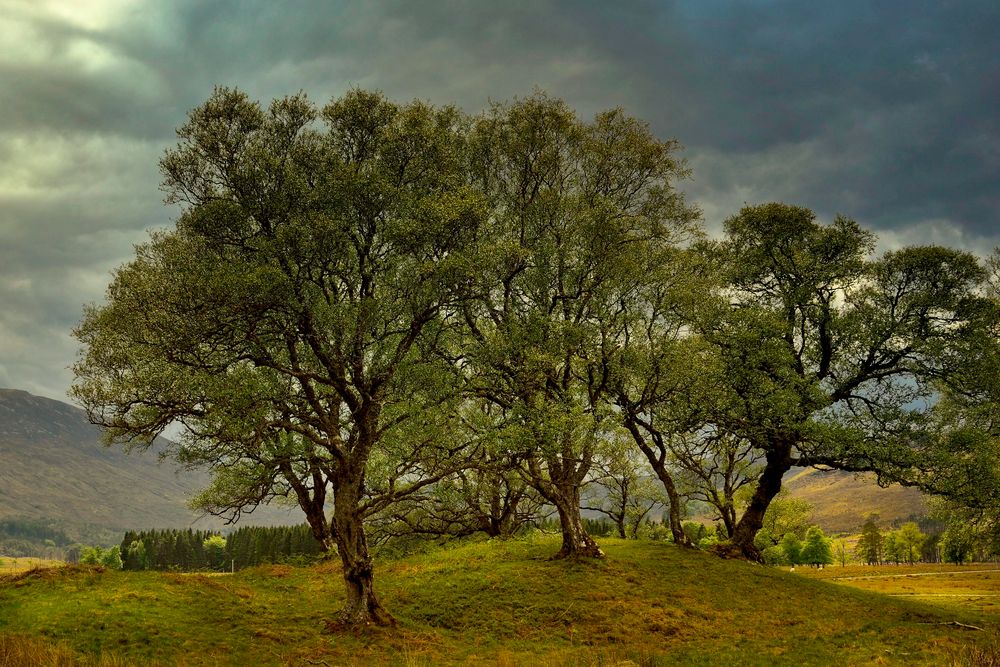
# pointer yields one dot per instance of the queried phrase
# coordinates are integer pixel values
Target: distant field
(974, 587)
(8, 564)
(484, 603)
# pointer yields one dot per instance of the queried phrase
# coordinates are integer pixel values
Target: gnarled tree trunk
(779, 461)
(562, 488)
(362, 606)
(576, 542)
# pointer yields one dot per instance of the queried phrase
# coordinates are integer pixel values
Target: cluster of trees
(816, 549)
(187, 550)
(909, 544)
(406, 318)
(32, 537)
(109, 558)
(172, 549)
(256, 545)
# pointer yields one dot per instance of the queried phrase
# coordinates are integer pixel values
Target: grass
(9, 564)
(973, 588)
(491, 603)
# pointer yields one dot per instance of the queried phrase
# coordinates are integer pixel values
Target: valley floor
(495, 602)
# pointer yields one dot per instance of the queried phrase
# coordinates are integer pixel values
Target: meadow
(11, 565)
(486, 602)
(972, 588)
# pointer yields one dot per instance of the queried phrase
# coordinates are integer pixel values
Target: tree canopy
(404, 316)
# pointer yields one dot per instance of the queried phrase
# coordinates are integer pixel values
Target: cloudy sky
(888, 112)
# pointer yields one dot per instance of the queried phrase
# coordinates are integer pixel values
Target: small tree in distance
(869, 549)
(816, 550)
(791, 547)
(908, 541)
(215, 550)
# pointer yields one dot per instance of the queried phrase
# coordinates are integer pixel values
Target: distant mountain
(842, 500)
(54, 467)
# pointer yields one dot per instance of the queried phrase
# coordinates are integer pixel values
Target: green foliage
(791, 548)
(215, 550)
(112, 558)
(871, 546)
(817, 548)
(958, 543)
(584, 216)
(92, 556)
(908, 541)
(836, 359)
(34, 530)
(135, 556)
(784, 515)
(774, 555)
(695, 531)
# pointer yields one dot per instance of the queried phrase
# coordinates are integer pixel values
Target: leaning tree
(835, 359)
(288, 319)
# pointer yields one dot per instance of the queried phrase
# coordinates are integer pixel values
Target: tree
(717, 468)
(870, 547)
(840, 552)
(893, 552)
(791, 548)
(215, 551)
(817, 549)
(622, 491)
(92, 556)
(112, 558)
(489, 497)
(286, 323)
(909, 541)
(784, 515)
(135, 556)
(581, 216)
(833, 359)
(958, 543)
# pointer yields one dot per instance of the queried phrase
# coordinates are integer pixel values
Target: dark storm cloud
(887, 112)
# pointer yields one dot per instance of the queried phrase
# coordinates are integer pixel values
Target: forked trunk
(362, 607)
(742, 543)
(576, 542)
(563, 491)
(322, 531)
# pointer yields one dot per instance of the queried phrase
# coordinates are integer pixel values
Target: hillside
(497, 602)
(55, 468)
(841, 500)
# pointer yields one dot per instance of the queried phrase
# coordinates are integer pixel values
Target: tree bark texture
(362, 607)
(779, 461)
(576, 542)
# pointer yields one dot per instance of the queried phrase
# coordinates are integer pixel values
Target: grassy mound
(492, 603)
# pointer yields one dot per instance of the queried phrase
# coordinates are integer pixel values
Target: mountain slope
(54, 467)
(842, 500)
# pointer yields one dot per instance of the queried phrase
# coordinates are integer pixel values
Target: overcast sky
(887, 112)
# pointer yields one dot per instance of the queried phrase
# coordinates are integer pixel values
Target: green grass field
(484, 603)
(973, 588)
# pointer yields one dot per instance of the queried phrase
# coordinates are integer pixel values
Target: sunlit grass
(490, 602)
(972, 588)
(9, 564)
